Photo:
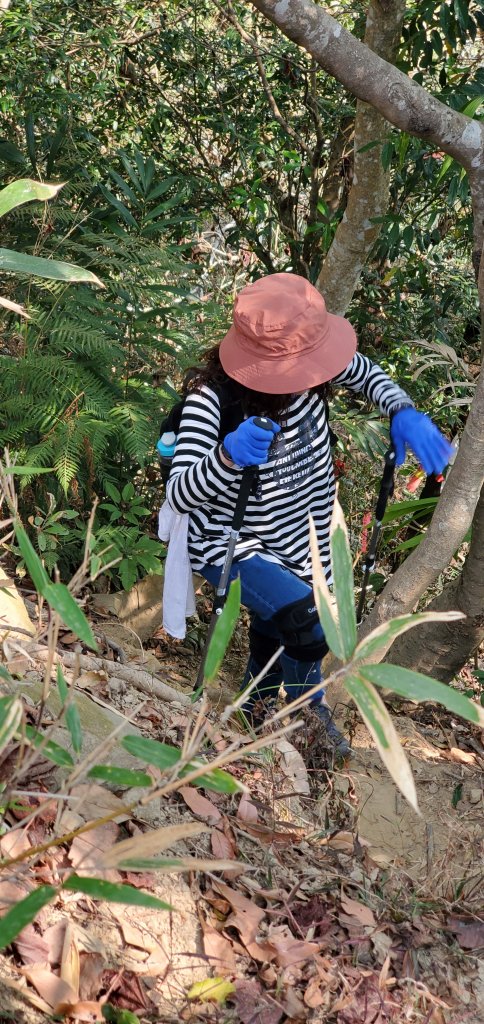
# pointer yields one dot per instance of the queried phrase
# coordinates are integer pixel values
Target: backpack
(231, 416)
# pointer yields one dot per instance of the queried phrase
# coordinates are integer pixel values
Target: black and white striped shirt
(297, 479)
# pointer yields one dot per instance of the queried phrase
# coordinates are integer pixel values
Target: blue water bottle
(166, 450)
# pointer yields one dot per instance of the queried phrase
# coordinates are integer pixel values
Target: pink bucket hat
(283, 339)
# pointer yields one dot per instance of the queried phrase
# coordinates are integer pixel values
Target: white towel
(178, 590)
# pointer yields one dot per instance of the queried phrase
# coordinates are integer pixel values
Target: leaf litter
(309, 923)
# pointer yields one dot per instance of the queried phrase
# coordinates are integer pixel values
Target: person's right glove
(249, 444)
(417, 430)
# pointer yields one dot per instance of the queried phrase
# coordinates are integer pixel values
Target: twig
(228, 12)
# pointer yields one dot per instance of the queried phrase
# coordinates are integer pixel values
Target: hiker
(276, 361)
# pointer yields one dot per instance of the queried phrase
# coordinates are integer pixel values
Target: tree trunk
(442, 649)
(393, 94)
(369, 194)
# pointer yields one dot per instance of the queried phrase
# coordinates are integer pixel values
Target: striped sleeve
(363, 375)
(198, 473)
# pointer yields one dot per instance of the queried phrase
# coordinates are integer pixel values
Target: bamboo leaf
(14, 307)
(163, 756)
(323, 598)
(11, 712)
(112, 892)
(25, 190)
(35, 568)
(73, 721)
(51, 270)
(52, 751)
(343, 581)
(384, 635)
(119, 776)
(20, 915)
(378, 721)
(418, 687)
(61, 599)
(222, 633)
(148, 844)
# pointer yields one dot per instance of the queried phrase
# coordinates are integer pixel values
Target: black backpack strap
(231, 411)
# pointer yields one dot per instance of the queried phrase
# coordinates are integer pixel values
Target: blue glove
(417, 430)
(249, 444)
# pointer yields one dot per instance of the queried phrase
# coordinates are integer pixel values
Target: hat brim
(287, 373)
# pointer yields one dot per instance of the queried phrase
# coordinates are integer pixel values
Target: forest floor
(342, 905)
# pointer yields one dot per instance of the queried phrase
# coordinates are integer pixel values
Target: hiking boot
(339, 742)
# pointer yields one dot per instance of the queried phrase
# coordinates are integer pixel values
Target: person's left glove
(417, 430)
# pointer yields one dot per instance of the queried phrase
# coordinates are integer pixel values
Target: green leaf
(119, 206)
(128, 492)
(384, 635)
(73, 721)
(35, 568)
(222, 633)
(115, 1015)
(25, 190)
(23, 912)
(163, 756)
(418, 687)
(119, 776)
(112, 491)
(11, 712)
(323, 598)
(25, 470)
(378, 721)
(213, 990)
(401, 509)
(343, 582)
(99, 889)
(52, 751)
(60, 598)
(51, 270)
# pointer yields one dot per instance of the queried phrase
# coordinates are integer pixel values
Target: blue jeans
(266, 589)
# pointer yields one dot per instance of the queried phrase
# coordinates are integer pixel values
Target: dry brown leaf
(90, 679)
(254, 1006)
(313, 997)
(245, 916)
(222, 845)
(343, 841)
(14, 842)
(355, 909)
(462, 756)
(32, 947)
(92, 966)
(219, 950)
(246, 810)
(11, 893)
(269, 836)
(293, 766)
(87, 851)
(69, 965)
(83, 1010)
(24, 992)
(200, 805)
(289, 950)
(469, 934)
(54, 990)
(92, 801)
(149, 844)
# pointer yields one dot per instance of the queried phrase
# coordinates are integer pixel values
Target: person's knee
(300, 630)
(262, 646)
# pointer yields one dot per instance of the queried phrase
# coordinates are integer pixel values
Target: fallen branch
(144, 681)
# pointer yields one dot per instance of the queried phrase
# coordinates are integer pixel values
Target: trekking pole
(248, 475)
(386, 491)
